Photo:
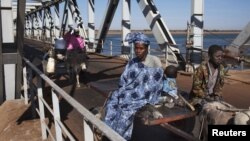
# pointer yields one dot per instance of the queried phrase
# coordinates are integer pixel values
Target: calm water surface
(180, 39)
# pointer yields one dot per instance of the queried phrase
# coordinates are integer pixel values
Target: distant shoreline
(176, 32)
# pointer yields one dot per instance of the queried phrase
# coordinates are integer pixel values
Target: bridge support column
(197, 32)
(91, 25)
(126, 26)
(11, 61)
(9, 77)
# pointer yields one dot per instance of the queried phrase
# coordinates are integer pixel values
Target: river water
(180, 39)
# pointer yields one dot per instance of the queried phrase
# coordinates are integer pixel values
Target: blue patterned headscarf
(137, 37)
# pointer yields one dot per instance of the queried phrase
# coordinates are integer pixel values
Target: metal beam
(64, 19)
(126, 26)
(1, 63)
(19, 43)
(105, 25)
(91, 24)
(28, 4)
(75, 12)
(241, 42)
(8, 46)
(197, 32)
(45, 5)
(162, 34)
(57, 25)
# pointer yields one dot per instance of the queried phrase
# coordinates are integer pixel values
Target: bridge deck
(102, 76)
(16, 124)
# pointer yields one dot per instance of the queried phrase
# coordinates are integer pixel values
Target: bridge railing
(112, 47)
(33, 93)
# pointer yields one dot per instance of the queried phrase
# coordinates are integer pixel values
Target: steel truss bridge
(46, 20)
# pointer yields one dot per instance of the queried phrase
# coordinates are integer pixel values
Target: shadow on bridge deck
(17, 123)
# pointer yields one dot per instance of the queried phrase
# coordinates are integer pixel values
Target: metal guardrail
(36, 90)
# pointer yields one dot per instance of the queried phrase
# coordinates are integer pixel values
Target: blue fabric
(170, 86)
(138, 86)
(137, 37)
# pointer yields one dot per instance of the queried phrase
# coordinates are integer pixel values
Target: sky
(218, 14)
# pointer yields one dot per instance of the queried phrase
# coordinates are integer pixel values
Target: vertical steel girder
(56, 20)
(64, 19)
(1, 63)
(40, 22)
(126, 26)
(8, 51)
(36, 26)
(197, 32)
(19, 43)
(11, 51)
(91, 24)
(28, 25)
(48, 24)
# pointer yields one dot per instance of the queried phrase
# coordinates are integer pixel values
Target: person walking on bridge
(75, 46)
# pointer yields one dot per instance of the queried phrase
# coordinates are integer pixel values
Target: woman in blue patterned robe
(140, 84)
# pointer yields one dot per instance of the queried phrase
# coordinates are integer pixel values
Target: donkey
(76, 62)
(221, 113)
